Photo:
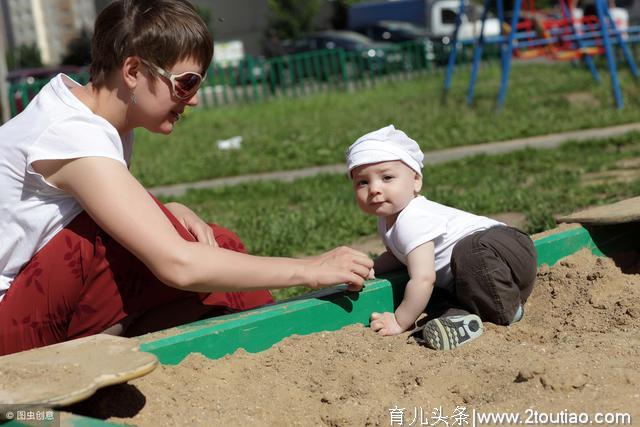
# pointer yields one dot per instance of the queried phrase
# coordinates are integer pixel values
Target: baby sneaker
(447, 333)
(519, 315)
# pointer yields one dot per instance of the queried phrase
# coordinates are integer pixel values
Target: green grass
(294, 133)
(315, 214)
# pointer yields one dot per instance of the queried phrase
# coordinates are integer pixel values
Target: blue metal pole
(454, 47)
(587, 58)
(601, 7)
(477, 54)
(625, 49)
(504, 81)
(500, 5)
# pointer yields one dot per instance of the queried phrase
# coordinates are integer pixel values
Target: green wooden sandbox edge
(328, 310)
(259, 329)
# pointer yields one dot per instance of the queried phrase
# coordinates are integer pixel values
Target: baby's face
(385, 188)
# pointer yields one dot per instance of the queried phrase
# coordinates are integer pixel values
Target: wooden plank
(622, 212)
(66, 373)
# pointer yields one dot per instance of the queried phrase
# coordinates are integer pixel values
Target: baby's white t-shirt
(423, 221)
(55, 125)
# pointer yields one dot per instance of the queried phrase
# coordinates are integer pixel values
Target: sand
(577, 351)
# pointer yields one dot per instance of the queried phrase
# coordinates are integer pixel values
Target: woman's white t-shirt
(55, 125)
(424, 221)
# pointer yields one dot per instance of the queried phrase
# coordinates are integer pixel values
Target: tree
(79, 49)
(24, 56)
(290, 18)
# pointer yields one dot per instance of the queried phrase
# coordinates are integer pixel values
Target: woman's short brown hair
(163, 32)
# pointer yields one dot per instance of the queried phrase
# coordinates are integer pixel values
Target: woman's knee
(227, 239)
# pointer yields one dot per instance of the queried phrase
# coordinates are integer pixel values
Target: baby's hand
(385, 324)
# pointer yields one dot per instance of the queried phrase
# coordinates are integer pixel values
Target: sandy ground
(577, 351)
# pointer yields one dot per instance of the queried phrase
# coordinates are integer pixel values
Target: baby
(487, 268)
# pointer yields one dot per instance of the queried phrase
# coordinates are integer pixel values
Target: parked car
(363, 52)
(400, 32)
(349, 41)
(393, 31)
(437, 16)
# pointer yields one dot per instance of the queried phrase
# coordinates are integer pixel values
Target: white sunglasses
(184, 85)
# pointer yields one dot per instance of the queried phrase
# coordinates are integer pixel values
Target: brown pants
(494, 271)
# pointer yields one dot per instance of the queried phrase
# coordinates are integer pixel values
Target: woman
(85, 249)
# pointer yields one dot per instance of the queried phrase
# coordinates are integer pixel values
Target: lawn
(315, 214)
(293, 133)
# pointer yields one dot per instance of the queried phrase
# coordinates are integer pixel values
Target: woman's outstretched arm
(121, 206)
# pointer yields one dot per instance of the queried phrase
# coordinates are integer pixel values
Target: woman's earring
(133, 98)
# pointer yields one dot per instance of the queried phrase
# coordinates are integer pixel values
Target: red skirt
(83, 281)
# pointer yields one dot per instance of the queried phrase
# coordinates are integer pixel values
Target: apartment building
(49, 24)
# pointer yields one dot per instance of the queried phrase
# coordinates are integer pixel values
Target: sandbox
(574, 356)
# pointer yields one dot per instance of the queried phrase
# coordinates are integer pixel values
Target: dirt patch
(614, 176)
(629, 163)
(576, 350)
(371, 245)
(513, 219)
(560, 228)
(628, 171)
(583, 99)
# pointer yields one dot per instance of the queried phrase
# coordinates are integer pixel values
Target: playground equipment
(533, 34)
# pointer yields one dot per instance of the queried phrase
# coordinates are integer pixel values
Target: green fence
(21, 93)
(256, 79)
(253, 79)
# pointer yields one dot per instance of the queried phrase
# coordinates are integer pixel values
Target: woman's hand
(340, 265)
(192, 222)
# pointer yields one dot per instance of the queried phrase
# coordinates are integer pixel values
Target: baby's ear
(417, 183)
